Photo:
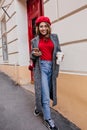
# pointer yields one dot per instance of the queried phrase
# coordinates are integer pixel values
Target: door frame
(30, 17)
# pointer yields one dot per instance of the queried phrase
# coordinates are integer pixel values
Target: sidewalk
(17, 106)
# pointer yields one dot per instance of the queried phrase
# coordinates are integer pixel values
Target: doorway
(34, 10)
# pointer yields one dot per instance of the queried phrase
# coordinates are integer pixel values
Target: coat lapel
(36, 41)
(53, 38)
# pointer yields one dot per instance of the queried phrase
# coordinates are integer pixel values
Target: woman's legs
(46, 72)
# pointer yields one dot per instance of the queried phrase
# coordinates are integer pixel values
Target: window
(4, 40)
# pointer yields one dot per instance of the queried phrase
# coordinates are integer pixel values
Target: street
(17, 107)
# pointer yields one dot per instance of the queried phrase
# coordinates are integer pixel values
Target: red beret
(42, 19)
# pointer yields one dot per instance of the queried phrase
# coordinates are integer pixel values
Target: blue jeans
(46, 73)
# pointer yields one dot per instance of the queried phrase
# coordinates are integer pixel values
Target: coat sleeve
(58, 46)
(32, 57)
(58, 49)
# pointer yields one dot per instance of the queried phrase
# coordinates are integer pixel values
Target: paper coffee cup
(59, 56)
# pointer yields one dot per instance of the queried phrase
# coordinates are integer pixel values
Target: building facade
(69, 21)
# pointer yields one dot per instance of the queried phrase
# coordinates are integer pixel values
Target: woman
(44, 48)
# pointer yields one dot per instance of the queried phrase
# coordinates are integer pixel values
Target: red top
(46, 47)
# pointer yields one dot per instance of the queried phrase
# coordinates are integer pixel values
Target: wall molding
(73, 42)
(82, 73)
(13, 14)
(12, 41)
(9, 64)
(12, 53)
(70, 14)
(11, 29)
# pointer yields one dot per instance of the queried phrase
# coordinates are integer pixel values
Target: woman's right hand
(36, 52)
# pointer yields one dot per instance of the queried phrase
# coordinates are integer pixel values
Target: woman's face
(43, 28)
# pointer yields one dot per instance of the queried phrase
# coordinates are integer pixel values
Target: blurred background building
(69, 21)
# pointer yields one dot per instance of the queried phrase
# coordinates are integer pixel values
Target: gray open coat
(37, 72)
